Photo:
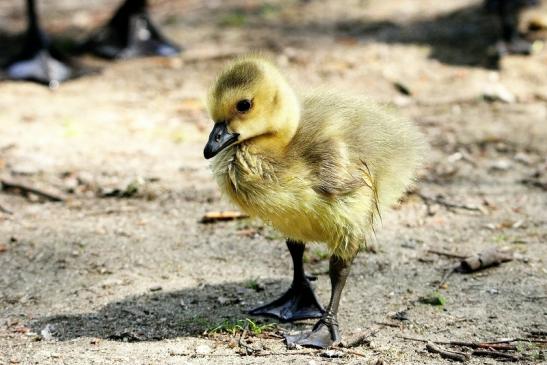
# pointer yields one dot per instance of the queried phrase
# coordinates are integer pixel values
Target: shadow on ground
(464, 37)
(161, 315)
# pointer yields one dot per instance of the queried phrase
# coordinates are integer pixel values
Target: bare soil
(111, 278)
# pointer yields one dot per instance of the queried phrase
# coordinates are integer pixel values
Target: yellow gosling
(319, 168)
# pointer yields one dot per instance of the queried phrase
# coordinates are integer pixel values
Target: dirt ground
(122, 272)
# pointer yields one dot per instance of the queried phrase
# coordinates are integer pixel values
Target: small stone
(293, 346)
(498, 92)
(501, 165)
(523, 158)
(332, 354)
(155, 288)
(47, 332)
(223, 300)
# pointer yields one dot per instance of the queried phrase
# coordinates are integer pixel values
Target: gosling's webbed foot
(297, 303)
(323, 335)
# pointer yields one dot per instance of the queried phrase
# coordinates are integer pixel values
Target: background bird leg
(299, 302)
(325, 332)
(130, 33)
(508, 12)
(38, 60)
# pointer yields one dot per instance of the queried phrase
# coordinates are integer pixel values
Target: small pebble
(155, 288)
(332, 354)
(223, 300)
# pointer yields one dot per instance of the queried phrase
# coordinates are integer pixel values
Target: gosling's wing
(338, 181)
(322, 142)
(332, 172)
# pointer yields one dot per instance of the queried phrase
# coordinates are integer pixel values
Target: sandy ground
(138, 280)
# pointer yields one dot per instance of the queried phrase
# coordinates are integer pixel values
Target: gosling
(318, 168)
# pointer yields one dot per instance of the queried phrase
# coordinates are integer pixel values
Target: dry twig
(489, 257)
(448, 254)
(492, 353)
(25, 189)
(439, 199)
(448, 354)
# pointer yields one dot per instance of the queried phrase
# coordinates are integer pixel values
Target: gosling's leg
(299, 302)
(130, 33)
(325, 332)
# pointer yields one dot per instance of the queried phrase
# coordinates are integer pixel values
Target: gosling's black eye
(244, 105)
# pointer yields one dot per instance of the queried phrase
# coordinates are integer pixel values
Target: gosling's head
(250, 99)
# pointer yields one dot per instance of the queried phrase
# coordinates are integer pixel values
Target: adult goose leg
(38, 60)
(325, 332)
(130, 33)
(299, 302)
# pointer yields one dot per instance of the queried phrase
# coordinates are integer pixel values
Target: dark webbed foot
(323, 335)
(297, 303)
(41, 67)
(515, 46)
(129, 34)
(39, 60)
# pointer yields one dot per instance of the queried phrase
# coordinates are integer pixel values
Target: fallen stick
(228, 215)
(533, 340)
(491, 353)
(387, 324)
(448, 254)
(448, 273)
(439, 199)
(453, 355)
(488, 344)
(6, 184)
(489, 257)
(482, 345)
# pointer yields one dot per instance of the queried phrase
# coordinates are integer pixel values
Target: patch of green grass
(500, 238)
(236, 18)
(434, 298)
(233, 327)
(269, 11)
(253, 283)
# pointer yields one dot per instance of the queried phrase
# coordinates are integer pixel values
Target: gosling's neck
(285, 120)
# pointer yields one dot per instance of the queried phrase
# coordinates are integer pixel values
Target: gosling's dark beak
(219, 139)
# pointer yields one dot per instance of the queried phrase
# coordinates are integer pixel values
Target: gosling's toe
(295, 304)
(323, 335)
